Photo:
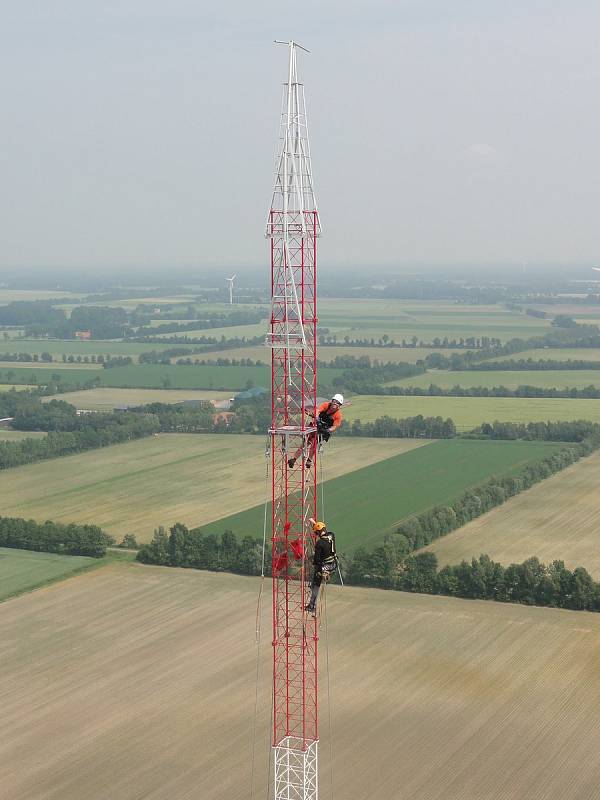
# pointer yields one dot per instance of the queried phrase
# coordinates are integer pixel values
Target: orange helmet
(319, 527)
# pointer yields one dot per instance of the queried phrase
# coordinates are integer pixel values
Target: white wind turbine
(230, 282)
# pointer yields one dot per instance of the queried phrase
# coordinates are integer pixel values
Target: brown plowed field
(138, 682)
(557, 519)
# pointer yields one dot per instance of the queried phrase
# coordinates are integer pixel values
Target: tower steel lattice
(293, 227)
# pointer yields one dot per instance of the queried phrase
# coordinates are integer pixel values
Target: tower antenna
(293, 227)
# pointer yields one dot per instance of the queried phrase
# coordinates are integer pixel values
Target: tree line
(183, 547)
(530, 364)
(529, 583)
(27, 358)
(203, 321)
(590, 392)
(54, 537)
(68, 432)
(578, 336)
(439, 342)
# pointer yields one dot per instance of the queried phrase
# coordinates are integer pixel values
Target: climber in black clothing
(324, 561)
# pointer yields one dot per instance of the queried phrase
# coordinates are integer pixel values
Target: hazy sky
(142, 132)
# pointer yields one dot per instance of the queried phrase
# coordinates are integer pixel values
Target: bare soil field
(105, 399)
(189, 478)
(557, 519)
(139, 682)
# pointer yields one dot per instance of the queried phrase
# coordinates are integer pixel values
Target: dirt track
(138, 682)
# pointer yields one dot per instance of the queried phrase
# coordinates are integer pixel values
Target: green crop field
(402, 319)
(22, 570)
(6, 365)
(467, 412)
(156, 376)
(229, 332)
(556, 519)
(545, 379)
(134, 487)
(13, 295)
(368, 503)
(106, 399)
(554, 353)
(97, 347)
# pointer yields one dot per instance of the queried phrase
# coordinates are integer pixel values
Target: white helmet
(339, 398)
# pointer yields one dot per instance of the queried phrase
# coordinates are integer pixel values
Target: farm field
(53, 365)
(428, 320)
(15, 436)
(555, 353)
(229, 332)
(489, 700)
(102, 347)
(157, 376)
(577, 311)
(9, 334)
(409, 355)
(467, 412)
(106, 399)
(189, 478)
(21, 570)
(369, 503)
(557, 519)
(510, 379)
(13, 295)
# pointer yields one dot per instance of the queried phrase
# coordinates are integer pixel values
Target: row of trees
(469, 342)
(182, 547)
(530, 364)
(221, 362)
(531, 583)
(407, 428)
(180, 418)
(585, 393)
(68, 432)
(27, 358)
(53, 537)
(363, 379)
(215, 342)
(566, 431)
(578, 336)
(205, 321)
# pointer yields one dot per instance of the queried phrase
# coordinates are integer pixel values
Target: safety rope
(329, 697)
(322, 515)
(258, 620)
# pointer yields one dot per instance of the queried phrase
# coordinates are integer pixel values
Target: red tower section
(293, 227)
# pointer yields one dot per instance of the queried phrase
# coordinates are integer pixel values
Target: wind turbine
(230, 282)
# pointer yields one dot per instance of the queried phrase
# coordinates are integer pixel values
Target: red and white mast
(293, 227)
